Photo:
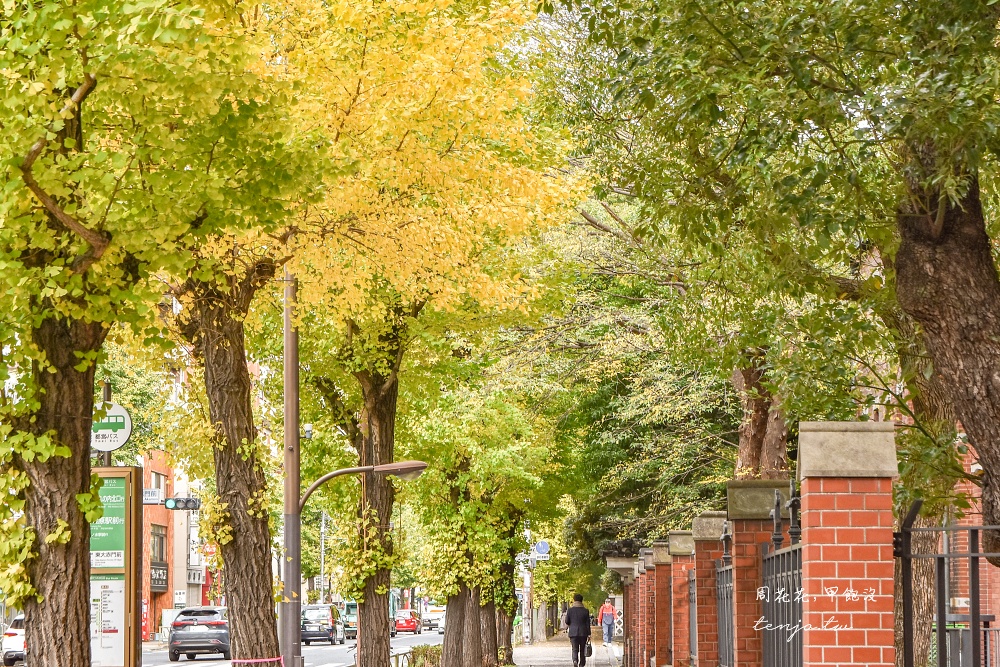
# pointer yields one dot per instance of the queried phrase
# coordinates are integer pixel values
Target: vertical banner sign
(115, 560)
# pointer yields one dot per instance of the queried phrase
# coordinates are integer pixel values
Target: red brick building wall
(155, 602)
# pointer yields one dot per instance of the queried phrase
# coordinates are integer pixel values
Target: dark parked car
(199, 630)
(408, 620)
(321, 623)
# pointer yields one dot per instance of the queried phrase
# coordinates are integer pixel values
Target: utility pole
(322, 559)
(106, 396)
(291, 637)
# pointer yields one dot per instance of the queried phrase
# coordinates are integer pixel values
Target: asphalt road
(317, 655)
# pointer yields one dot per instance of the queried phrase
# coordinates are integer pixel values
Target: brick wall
(651, 616)
(680, 567)
(847, 569)
(628, 618)
(706, 552)
(664, 611)
(748, 534)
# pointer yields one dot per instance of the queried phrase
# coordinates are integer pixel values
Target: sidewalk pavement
(556, 652)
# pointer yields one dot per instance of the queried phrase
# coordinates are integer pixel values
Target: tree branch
(335, 398)
(98, 242)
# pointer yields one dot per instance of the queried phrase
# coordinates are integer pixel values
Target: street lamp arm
(327, 477)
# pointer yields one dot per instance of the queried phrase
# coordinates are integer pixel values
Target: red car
(407, 620)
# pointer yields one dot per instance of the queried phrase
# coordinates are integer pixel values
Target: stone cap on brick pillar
(754, 498)
(661, 552)
(681, 542)
(847, 449)
(708, 526)
(646, 560)
(621, 565)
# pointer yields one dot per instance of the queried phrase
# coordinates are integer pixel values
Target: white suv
(13, 642)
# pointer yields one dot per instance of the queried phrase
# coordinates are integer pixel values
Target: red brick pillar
(847, 470)
(662, 641)
(651, 604)
(750, 504)
(639, 645)
(682, 555)
(645, 630)
(628, 612)
(637, 598)
(706, 529)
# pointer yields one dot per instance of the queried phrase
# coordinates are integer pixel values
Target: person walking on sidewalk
(606, 619)
(578, 622)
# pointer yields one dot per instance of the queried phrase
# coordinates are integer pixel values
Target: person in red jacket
(606, 619)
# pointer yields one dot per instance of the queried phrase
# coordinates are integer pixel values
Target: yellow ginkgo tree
(429, 102)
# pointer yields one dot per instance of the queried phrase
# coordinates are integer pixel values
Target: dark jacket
(578, 620)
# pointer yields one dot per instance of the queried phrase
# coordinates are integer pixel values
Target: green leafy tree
(492, 467)
(125, 126)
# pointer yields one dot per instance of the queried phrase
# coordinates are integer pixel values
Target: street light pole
(291, 637)
(322, 559)
(405, 470)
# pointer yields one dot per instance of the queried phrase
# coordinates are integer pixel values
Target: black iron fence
(963, 639)
(959, 642)
(781, 589)
(782, 600)
(724, 599)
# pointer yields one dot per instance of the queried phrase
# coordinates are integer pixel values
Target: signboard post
(115, 565)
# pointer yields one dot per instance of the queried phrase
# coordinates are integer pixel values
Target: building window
(158, 543)
(160, 482)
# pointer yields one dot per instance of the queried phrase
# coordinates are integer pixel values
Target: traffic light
(182, 503)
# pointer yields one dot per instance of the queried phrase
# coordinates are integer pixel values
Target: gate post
(649, 632)
(847, 470)
(750, 504)
(662, 646)
(645, 576)
(706, 529)
(682, 553)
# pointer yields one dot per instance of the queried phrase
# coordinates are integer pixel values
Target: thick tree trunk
(508, 605)
(451, 651)
(762, 450)
(774, 448)
(57, 628)
(753, 427)
(947, 281)
(923, 594)
(505, 635)
(216, 327)
(927, 395)
(377, 424)
(488, 629)
(472, 652)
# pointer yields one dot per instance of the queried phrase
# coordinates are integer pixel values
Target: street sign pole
(116, 570)
(106, 391)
